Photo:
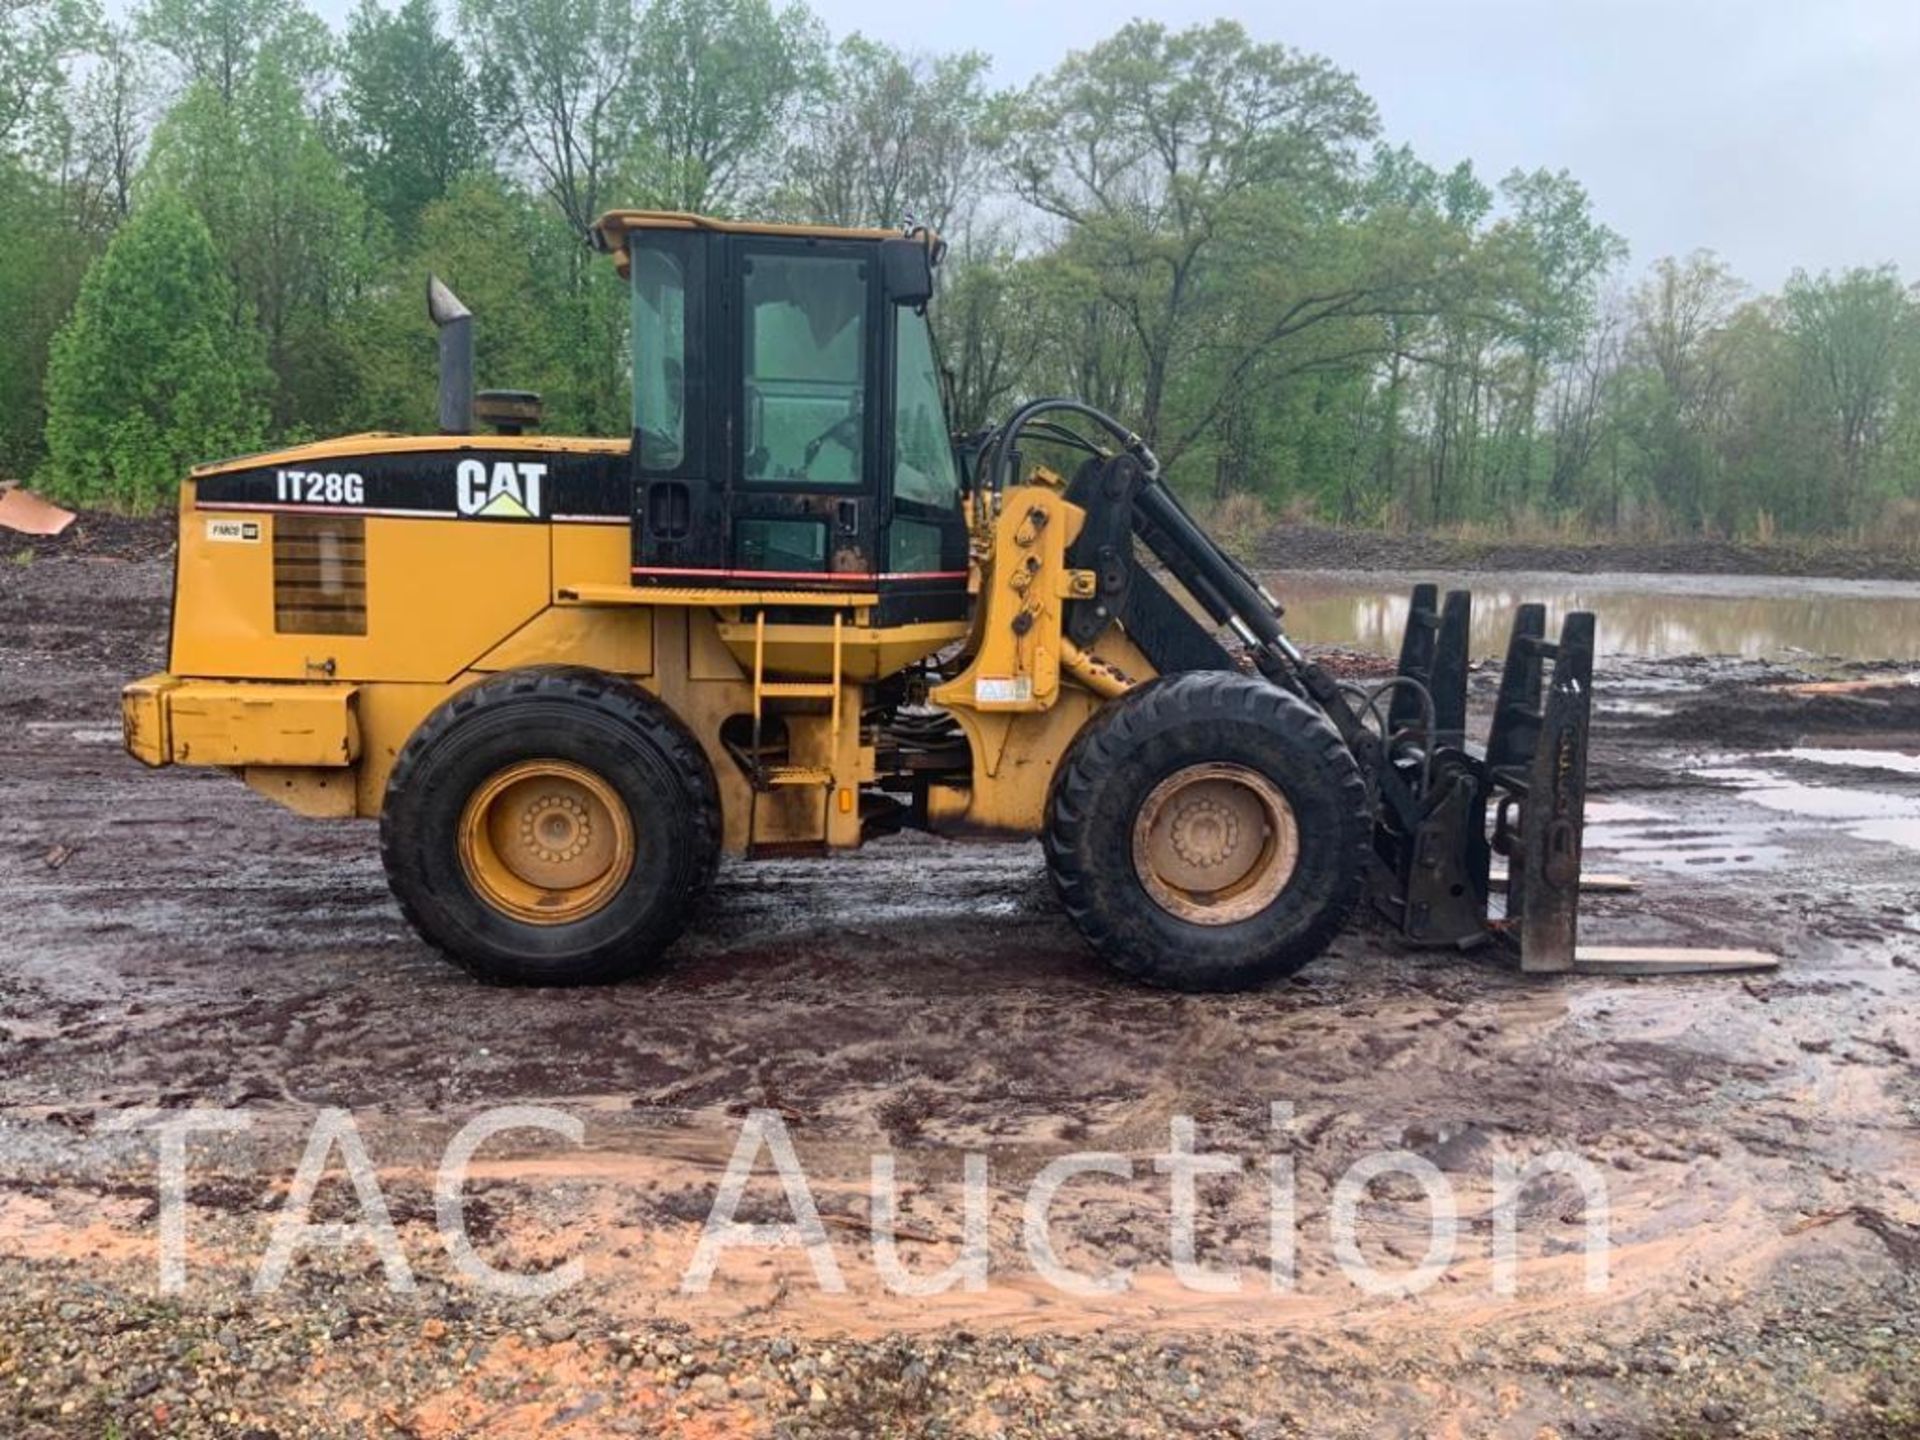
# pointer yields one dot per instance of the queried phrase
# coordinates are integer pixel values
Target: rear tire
(1208, 831)
(551, 826)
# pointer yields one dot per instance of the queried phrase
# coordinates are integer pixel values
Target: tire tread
(1117, 732)
(610, 696)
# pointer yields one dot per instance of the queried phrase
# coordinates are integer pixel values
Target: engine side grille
(320, 574)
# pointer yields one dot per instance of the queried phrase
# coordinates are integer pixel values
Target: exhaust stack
(455, 323)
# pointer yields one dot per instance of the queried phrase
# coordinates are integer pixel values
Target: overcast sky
(1780, 133)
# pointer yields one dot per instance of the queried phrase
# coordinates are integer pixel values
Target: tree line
(220, 215)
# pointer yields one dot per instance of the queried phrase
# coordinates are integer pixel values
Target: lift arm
(1432, 793)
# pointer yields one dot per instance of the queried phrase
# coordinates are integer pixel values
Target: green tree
(1425, 351)
(220, 42)
(717, 84)
(507, 255)
(108, 124)
(559, 80)
(40, 269)
(150, 374)
(409, 112)
(1852, 335)
(989, 320)
(1177, 159)
(37, 40)
(1560, 254)
(1679, 387)
(290, 225)
(892, 135)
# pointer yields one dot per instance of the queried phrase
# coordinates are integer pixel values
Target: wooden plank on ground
(1589, 884)
(1667, 960)
(1850, 687)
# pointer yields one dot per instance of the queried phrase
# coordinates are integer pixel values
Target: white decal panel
(504, 489)
(995, 690)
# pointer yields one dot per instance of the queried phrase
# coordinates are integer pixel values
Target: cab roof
(610, 231)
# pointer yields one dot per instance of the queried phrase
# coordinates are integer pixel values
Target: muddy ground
(172, 941)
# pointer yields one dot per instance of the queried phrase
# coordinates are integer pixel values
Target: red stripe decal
(841, 578)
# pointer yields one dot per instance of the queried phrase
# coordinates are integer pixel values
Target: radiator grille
(320, 575)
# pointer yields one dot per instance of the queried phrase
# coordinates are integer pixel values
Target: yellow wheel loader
(791, 612)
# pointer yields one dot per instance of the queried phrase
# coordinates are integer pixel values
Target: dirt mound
(1740, 716)
(1316, 547)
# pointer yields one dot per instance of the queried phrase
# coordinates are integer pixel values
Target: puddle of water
(1903, 832)
(1616, 812)
(1815, 802)
(1874, 815)
(1755, 617)
(1642, 836)
(1664, 846)
(1893, 760)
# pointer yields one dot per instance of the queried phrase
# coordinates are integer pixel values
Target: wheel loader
(791, 612)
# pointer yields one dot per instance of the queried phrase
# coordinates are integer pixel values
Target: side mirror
(906, 271)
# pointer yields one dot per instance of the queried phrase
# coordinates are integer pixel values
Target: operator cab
(788, 426)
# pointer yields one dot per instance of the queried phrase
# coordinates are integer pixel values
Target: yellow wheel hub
(1215, 843)
(546, 841)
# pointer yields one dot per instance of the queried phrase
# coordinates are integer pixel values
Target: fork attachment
(1433, 792)
(1548, 780)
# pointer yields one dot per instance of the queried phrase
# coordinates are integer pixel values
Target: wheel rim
(1215, 843)
(546, 841)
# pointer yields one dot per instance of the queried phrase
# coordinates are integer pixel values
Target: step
(798, 689)
(796, 775)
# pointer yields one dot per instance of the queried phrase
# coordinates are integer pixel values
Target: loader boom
(1430, 874)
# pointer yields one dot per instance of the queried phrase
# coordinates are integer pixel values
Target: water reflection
(1754, 617)
(1640, 837)
(1867, 814)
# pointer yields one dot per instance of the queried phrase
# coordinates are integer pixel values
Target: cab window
(923, 467)
(659, 357)
(805, 362)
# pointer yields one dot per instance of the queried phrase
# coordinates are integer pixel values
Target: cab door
(804, 454)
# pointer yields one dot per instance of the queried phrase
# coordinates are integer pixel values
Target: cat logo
(500, 490)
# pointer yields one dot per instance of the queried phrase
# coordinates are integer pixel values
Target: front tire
(1208, 831)
(551, 826)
